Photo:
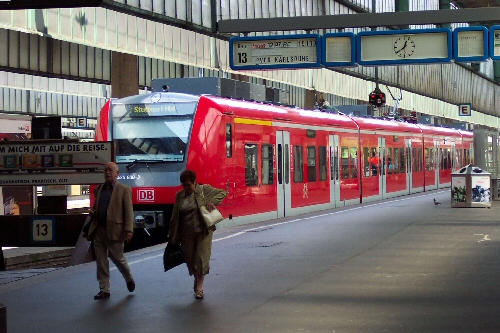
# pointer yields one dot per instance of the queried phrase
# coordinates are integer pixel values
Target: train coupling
(148, 219)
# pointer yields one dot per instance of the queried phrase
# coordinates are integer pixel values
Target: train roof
(373, 124)
(439, 131)
(157, 97)
(268, 111)
(281, 113)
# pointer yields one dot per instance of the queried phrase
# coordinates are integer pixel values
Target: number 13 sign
(43, 230)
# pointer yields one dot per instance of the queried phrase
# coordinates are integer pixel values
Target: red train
(275, 161)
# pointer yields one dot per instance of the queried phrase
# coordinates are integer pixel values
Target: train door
(437, 163)
(283, 170)
(454, 157)
(333, 148)
(409, 166)
(382, 179)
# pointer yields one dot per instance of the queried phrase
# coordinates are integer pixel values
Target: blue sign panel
(275, 52)
(470, 44)
(400, 47)
(495, 42)
(338, 49)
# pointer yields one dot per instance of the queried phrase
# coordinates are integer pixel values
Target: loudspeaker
(54, 204)
(46, 128)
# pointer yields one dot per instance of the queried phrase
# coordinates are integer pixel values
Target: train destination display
(272, 52)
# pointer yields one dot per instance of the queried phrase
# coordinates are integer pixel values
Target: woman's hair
(188, 175)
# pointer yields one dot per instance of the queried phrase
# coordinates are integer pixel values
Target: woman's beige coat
(210, 193)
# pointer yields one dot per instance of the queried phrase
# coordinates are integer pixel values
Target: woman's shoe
(198, 294)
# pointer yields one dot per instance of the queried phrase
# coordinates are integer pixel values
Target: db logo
(146, 195)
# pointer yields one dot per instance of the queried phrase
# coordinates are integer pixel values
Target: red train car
(274, 161)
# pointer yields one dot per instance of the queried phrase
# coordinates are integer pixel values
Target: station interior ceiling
(477, 3)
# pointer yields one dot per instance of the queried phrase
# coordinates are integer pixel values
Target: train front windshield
(152, 132)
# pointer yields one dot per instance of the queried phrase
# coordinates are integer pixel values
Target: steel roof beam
(486, 14)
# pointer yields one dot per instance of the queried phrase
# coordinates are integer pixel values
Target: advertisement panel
(458, 191)
(49, 163)
(481, 189)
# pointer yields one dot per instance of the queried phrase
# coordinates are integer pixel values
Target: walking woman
(188, 228)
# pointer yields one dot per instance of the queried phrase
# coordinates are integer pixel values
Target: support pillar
(2, 260)
(124, 75)
(403, 6)
(3, 318)
(496, 69)
(444, 4)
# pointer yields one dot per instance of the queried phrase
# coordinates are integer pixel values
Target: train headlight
(139, 219)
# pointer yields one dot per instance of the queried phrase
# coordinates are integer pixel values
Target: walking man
(111, 227)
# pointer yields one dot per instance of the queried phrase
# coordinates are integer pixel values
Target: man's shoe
(102, 295)
(131, 286)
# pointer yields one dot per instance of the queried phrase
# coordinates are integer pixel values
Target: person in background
(188, 229)
(113, 224)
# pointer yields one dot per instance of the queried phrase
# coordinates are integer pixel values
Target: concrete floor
(403, 265)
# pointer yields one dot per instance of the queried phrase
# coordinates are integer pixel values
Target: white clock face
(404, 46)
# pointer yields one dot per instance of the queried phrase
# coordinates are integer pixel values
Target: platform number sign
(81, 122)
(464, 110)
(43, 230)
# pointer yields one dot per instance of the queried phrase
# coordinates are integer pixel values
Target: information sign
(470, 44)
(464, 110)
(272, 52)
(81, 122)
(495, 42)
(43, 229)
(404, 46)
(338, 49)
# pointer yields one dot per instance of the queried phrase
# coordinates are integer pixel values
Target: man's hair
(188, 175)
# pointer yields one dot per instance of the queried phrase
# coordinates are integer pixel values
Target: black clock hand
(401, 49)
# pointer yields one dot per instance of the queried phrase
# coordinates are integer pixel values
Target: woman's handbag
(211, 218)
(173, 256)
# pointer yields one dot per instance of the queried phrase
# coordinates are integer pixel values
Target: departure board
(270, 52)
(495, 42)
(470, 44)
(338, 49)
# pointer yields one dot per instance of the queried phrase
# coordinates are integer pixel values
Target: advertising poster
(458, 189)
(481, 189)
(17, 200)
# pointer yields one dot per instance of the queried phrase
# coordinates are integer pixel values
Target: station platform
(401, 265)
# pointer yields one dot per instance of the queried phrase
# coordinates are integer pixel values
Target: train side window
(322, 163)
(396, 163)
(448, 153)
(229, 140)
(441, 166)
(267, 164)
(344, 160)
(298, 164)
(334, 162)
(366, 161)
(420, 161)
(251, 176)
(279, 163)
(427, 159)
(354, 162)
(402, 160)
(287, 164)
(311, 163)
(390, 161)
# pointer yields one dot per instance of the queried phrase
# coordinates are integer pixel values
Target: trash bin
(470, 187)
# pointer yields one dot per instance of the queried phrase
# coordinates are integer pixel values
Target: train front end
(150, 134)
